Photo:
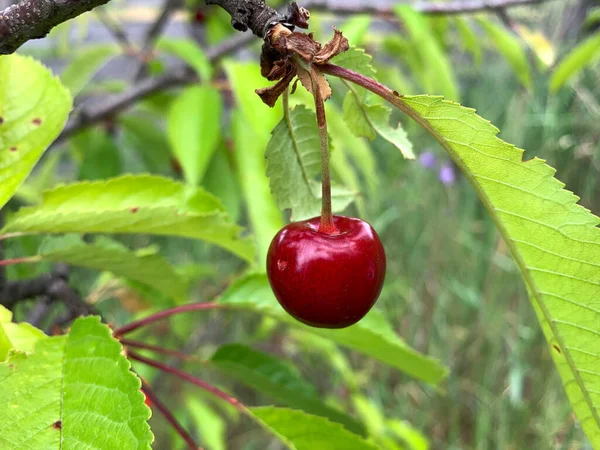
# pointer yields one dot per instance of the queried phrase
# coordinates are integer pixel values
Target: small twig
(189, 378)
(152, 34)
(162, 315)
(166, 412)
(157, 349)
(115, 29)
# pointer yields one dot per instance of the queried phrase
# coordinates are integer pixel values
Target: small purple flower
(427, 159)
(447, 174)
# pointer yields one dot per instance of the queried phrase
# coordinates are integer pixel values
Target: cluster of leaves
(553, 240)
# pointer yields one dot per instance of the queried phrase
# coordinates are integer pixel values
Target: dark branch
(249, 14)
(116, 103)
(33, 19)
(153, 32)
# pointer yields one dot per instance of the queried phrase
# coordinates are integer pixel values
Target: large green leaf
(73, 392)
(293, 160)
(372, 336)
(145, 266)
(510, 47)
(84, 66)
(132, 204)
(278, 380)
(301, 431)
(34, 107)
(585, 54)
(554, 241)
(194, 129)
(16, 336)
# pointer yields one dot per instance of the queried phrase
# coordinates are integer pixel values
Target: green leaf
(194, 129)
(18, 336)
(553, 240)
(132, 204)
(585, 54)
(41, 401)
(98, 154)
(252, 122)
(144, 266)
(301, 431)
(356, 28)
(276, 379)
(369, 120)
(438, 75)
(356, 59)
(211, 426)
(293, 160)
(34, 107)
(372, 336)
(470, 40)
(190, 52)
(220, 180)
(85, 65)
(510, 47)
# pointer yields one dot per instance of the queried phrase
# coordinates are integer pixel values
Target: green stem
(327, 225)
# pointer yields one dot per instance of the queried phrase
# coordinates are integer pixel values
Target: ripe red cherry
(327, 280)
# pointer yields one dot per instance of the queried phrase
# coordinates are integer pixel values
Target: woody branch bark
(33, 19)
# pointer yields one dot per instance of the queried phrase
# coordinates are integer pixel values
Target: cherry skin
(327, 280)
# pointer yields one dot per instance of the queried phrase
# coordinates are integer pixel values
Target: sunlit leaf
(194, 129)
(144, 266)
(539, 43)
(34, 107)
(372, 336)
(41, 401)
(553, 240)
(277, 380)
(132, 204)
(585, 54)
(16, 336)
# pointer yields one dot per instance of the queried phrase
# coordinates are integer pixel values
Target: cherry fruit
(327, 278)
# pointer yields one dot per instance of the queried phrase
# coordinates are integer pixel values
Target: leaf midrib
(288, 122)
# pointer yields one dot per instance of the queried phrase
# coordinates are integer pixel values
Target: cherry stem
(27, 259)
(166, 412)
(157, 349)
(163, 314)
(326, 225)
(187, 377)
(368, 83)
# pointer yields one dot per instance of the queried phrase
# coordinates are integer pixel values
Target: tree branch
(33, 19)
(252, 14)
(116, 103)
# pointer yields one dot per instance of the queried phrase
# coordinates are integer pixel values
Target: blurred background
(452, 290)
